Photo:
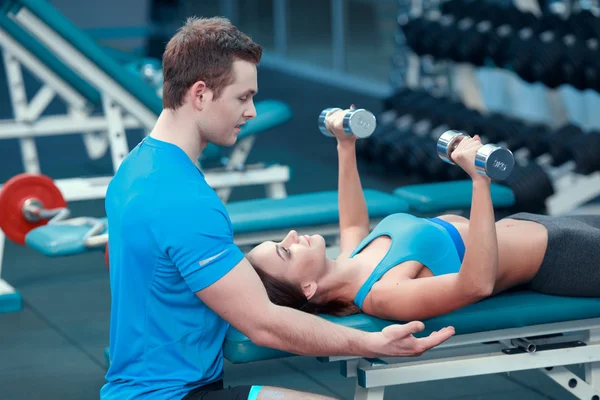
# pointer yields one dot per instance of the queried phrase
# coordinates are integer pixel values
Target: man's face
(222, 118)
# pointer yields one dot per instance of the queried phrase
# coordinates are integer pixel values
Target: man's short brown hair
(203, 49)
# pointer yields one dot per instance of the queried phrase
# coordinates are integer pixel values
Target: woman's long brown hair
(287, 294)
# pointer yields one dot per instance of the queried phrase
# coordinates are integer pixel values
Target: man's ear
(199, 94)
(309, 289)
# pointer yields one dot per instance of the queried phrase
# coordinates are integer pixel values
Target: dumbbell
(398, 115)
(474, 33)
(552, 51)
(532, 184)
(385, 124)
(464, 39)
(572, 57)
(422, 157)
(377, 145)
(409, 143)
(499, 39)
(410, 147)
(461, 32)
(581, 66)
(546, 146)
(404, 144)
(491, 160)
(421, 105)
(424, 33)
(559, 54)
(360, 122)
(548, 49)
(28, 201)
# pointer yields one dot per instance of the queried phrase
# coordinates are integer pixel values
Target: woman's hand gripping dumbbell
(475, 158)
(355, 123)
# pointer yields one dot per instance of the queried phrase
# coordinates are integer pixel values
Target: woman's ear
(309, 289)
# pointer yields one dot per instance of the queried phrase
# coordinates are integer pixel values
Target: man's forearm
(305, 334)
(351, 199)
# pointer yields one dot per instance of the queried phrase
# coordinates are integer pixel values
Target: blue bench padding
(269, 113)
(59, 240)
(306, 209)
(509, 310)
(246, 217)
(11, 302)
(88, 47)
(443, 196)
(49, 59)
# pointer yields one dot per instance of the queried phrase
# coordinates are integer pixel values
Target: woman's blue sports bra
(431, 241)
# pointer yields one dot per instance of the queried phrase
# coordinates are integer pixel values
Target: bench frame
(120, 106)
(489, 353)
(120, 111)
(28, 123)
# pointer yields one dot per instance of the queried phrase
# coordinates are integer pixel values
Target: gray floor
(54, 347)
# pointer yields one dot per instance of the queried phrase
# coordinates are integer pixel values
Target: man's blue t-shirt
(170, 236)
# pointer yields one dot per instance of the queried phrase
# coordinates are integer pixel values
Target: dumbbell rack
(553, 46)
(571, 191)
(409, 70)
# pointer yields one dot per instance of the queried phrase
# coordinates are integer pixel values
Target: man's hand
(398, 340)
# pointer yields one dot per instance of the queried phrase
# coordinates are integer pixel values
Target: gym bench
(514, 331)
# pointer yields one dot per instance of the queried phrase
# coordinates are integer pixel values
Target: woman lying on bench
(411, 268)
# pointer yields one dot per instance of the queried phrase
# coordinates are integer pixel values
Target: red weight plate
(15, 192)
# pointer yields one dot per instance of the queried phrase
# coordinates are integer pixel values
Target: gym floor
(54, 347)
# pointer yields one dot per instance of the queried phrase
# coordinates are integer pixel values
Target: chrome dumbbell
(493, 161)
(360, 122)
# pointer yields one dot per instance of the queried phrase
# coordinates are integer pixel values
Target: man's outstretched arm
(240, 298)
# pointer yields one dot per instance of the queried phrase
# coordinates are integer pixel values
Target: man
(177, 278)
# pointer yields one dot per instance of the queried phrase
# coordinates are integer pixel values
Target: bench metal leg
(592, 370)
(571, 382)
(18, 98)
(360, 393)
(10, 299)
(96, 143)
(116, 131)
(276, 190)
(237, 160)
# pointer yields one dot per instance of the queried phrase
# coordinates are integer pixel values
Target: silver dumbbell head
(322, 117)
(360, 123)
(446, 143)
(494, 161)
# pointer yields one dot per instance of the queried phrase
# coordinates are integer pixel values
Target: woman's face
(297, 259)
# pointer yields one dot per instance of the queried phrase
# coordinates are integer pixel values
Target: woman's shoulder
(385, 295)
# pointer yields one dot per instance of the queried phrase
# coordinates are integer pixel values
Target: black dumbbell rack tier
(560, 167)
(547, 48)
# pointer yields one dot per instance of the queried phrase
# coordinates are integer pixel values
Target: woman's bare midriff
(521, 249)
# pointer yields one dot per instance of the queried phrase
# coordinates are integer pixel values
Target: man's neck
(173, 127)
